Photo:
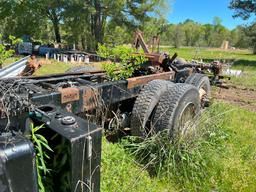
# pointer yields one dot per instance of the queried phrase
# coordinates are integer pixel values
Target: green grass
(11, 60)
(222, 159)
(121, 173)
(208, 54)
(238, 160)
(248, 78)
(53, 68)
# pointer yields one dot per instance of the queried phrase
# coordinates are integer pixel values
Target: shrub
(4, 54)
(125, 62)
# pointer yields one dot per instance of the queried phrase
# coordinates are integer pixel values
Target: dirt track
(245, 98)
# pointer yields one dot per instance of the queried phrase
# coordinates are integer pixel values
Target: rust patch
(90, 98)
(133, 82)
(69, 94)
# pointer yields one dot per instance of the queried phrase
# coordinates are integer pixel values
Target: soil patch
(238, 96)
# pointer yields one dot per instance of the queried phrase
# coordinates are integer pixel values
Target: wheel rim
(185, 122)
(203, 95)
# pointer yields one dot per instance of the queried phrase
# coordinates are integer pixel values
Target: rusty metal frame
(142, 80)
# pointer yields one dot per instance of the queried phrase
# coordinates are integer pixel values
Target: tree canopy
(246, 9)
(89, 22)
(243, 8)
(75, 20)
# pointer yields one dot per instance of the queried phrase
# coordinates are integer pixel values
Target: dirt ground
(239, 96)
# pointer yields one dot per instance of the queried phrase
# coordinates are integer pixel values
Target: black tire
(180, 61)
(178, 100)
(182, 75)
(190, 78)
(145, 105)
(201, 81)
(79, 69)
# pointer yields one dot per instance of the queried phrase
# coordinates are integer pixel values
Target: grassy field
(222, 158)
(209, 54)
(53, 67)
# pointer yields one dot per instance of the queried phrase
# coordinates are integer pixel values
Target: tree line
(191, 33)
(89, 22)
(74, 21)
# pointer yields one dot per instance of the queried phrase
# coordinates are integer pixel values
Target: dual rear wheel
(163, 105)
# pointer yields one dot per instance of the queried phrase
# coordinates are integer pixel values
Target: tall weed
(189, 162)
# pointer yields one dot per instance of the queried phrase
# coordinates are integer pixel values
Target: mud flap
(17, 165)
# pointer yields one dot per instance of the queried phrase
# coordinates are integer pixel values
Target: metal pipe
(14, 69)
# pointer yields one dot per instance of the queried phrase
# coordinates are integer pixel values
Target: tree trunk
(83, 43)
(254, 49)
(56, 25)
(56, 28)
(98, 23)
(187, 38)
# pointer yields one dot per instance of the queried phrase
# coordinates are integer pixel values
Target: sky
(203, 11)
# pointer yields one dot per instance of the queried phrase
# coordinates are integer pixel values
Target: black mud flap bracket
(80, 141)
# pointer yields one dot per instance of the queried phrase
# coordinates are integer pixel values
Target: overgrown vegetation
(41, 150)
(121, 173)
(186, 161)
(124, 64)
(6, 53)
(220, 157)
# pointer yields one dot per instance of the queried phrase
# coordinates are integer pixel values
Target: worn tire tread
(168, 104)
(141, 106)
(197, 79)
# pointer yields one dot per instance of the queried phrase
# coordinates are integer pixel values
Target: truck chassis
(74, 108)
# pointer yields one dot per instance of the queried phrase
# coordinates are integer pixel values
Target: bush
(125, 62)
(4, 53)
